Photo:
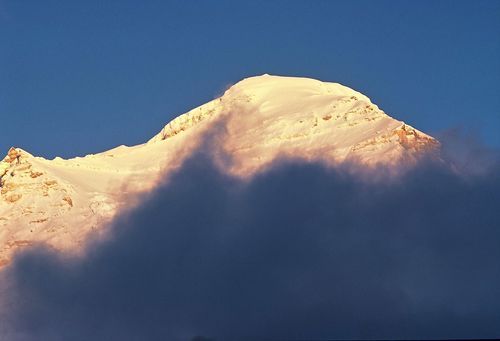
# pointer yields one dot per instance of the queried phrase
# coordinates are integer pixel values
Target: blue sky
(82, 77)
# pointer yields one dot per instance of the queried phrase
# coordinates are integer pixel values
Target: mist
(300, 251)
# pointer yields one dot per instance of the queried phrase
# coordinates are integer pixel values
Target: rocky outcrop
(13, 155)
(410, 138)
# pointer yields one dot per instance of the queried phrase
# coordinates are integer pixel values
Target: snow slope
(59, 202)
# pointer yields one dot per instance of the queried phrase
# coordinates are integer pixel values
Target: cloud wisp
(299, 251)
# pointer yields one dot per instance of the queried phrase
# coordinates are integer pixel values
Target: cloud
(466, 152)
(300, 251)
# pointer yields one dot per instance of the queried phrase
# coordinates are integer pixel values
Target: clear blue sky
(79, 77)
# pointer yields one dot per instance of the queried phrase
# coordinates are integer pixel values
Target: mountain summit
(303, 118)
(256, 121)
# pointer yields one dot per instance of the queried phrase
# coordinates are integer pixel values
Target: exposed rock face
(188, 120)
(13, 155)
(4, 167)
(59, 202)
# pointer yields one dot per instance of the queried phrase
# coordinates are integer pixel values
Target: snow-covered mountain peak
(267, 116)
(291, 89)
(256, 121)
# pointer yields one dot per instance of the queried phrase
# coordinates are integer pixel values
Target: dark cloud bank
(300, 252)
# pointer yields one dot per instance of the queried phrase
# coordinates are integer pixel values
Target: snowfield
(60, 202)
